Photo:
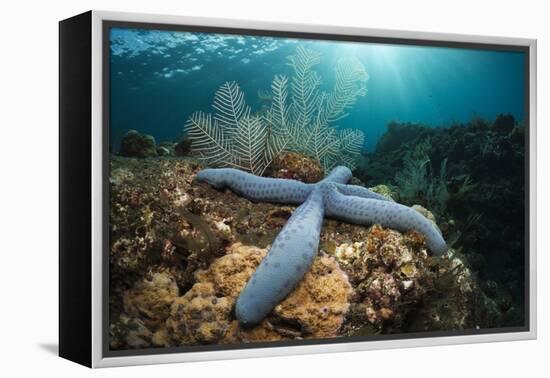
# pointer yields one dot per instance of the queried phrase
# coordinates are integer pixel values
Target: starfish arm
(288, 259)
(388, 214)
(256, 188)
(359, 191)
(339, 175)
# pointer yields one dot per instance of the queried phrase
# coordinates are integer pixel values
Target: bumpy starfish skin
(359, 210)
(280, 271)
(295, 247)
(255, 188)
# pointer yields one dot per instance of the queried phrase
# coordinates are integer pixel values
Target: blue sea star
(295, 247)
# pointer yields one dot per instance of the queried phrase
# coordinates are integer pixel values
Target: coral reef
(471, 176)
(399, 288)
(456, 301)
(385, 191)
(151, 224)
(146, 306)
(154, 314)
(183, 147)
(235, 137)
(283, 268)
(166, 149)
(292, 165)
(151, 298)
(129, 333)
(135, 144)
(316, 308)
(417, 181)
(389, 271)
(175, 241)
(427, 213)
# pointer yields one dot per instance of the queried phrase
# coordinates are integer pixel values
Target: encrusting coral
(146, 307)
(316, 308)
(295, 247)
(292, 165)
(152, 298)
(390, 272)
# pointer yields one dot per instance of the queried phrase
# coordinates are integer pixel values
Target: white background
(28, 201)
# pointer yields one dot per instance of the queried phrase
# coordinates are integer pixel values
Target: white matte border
(97, 187)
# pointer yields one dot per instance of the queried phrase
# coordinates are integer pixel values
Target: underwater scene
(275, 190)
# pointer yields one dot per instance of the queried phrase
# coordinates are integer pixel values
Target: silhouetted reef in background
(472, 177)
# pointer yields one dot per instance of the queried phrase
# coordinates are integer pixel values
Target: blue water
(159, 78)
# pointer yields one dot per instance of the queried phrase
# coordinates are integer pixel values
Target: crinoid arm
(288, 259)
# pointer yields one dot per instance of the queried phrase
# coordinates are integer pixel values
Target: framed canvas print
(233, 189)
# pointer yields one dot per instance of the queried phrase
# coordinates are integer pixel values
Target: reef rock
(478, 205)
(389, 271)
(151, 298)
(320, 301)
(183, 147)
(456, 301)
(427, 213)
(292, 165)
(316, 307)
(182, 251)
(386, 191)
(129, 333)
(146, 306)
(166, 149)
(504, 123)
(135, 144)
(130, 253)
(151, 221)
